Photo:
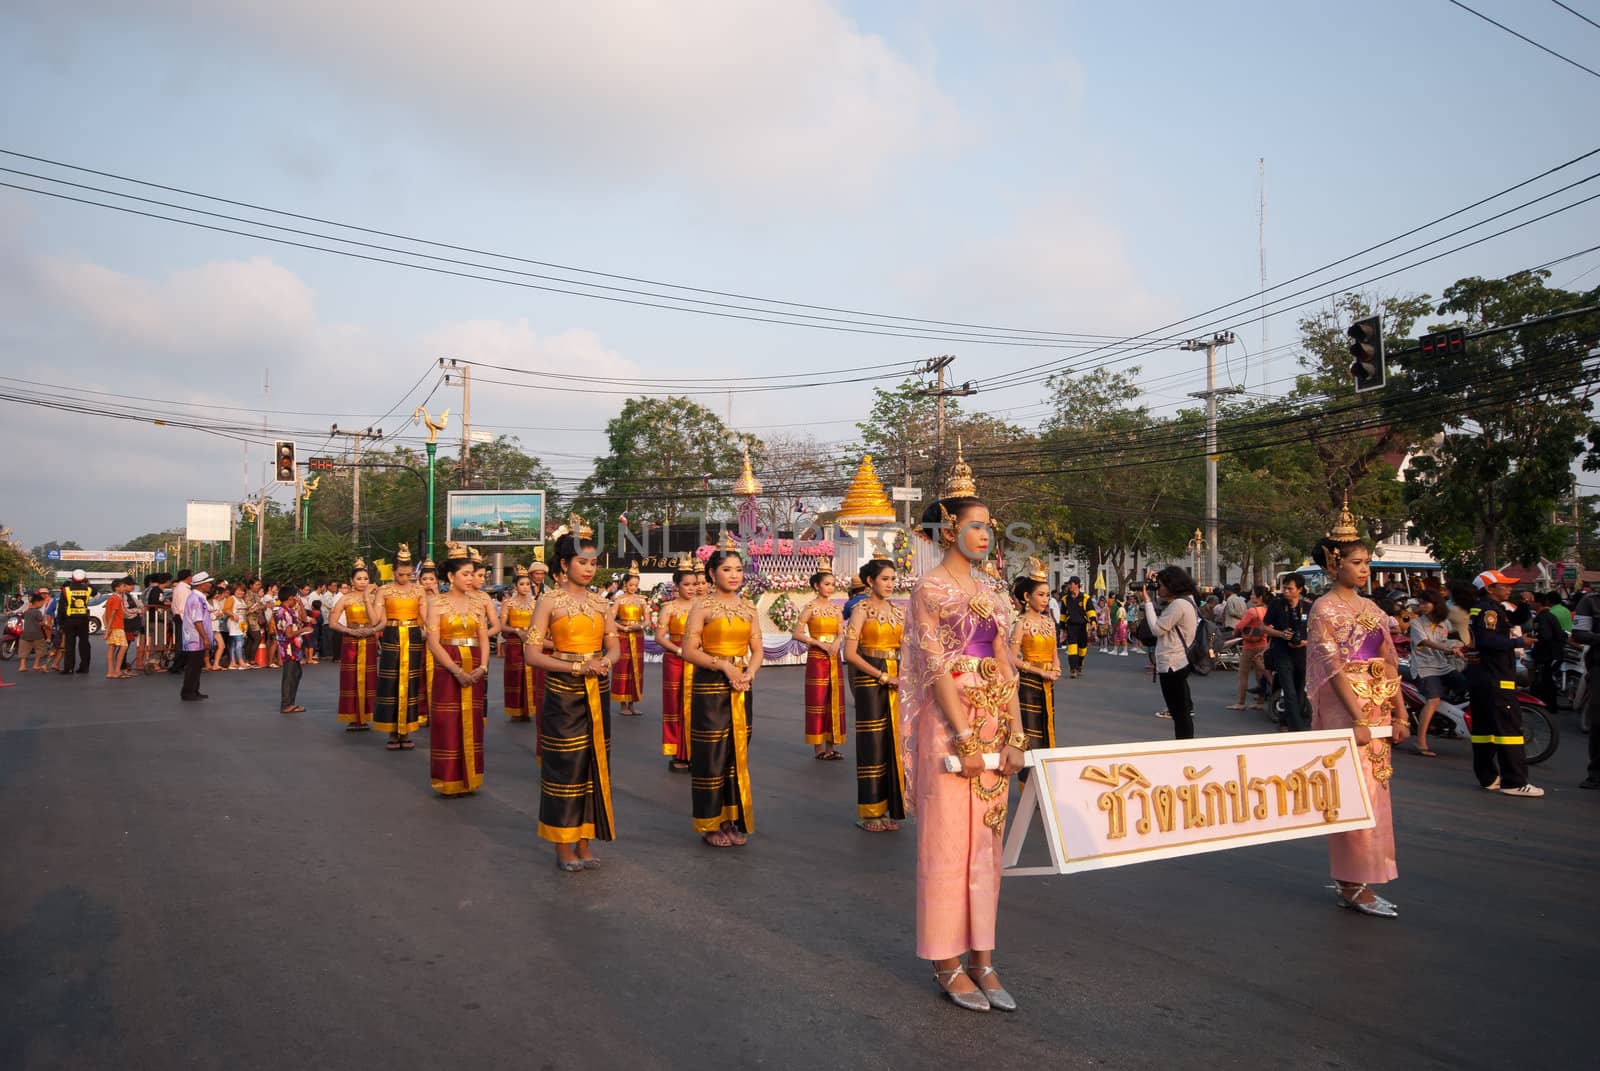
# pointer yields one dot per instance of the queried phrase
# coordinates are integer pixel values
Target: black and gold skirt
(575, 771)
(880, 775)
(1036, 698)
(402, 653)
(719, 753)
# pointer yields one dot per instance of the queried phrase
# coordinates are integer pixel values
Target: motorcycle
(1453, 719)
(11, 638)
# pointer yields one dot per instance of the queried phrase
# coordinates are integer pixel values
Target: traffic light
(1448, 343)
(283, 461)
(1366, 349)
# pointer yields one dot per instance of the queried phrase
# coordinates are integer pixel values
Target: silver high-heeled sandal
(997, 997)
(1378, 907)
(972, 1001)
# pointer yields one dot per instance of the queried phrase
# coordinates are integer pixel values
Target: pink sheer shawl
(1334, 634)
(939, 623)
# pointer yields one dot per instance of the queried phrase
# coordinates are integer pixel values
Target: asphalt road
(217, 885)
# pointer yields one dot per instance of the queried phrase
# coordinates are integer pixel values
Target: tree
(1509, 418)
(1345, 458)
(669, 457)
(18, 568)
(799, 476)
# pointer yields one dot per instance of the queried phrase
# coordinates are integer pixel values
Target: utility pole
(356, 438)
(936, 366)
(1224, 338)
(462, 374)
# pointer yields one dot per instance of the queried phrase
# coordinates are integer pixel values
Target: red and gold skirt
(627, 676)
(455, 739)
(824, 700)
(358, 679)
(518, 680)
(672, 705)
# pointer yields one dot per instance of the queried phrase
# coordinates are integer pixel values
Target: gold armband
(1018, 741)
(535, 636)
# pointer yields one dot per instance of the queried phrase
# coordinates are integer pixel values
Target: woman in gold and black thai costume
(402, 651)
(575, 724)
(723, 642)
(458, 636)
(428, 581)
(1038, 660)
(633, 612)
(517, 616)
(353, 616)
(821, 628)
(872, 649)
(676, 675)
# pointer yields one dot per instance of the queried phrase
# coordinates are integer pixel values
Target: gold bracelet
(1018, 741)
(967, 745)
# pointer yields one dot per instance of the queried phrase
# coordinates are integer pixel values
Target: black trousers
(289, 683)
(1175, 690)
(1592, 706)
(75, 642)
(193, 663)
(1497, 750)
(1289, 674)
(1077, 644)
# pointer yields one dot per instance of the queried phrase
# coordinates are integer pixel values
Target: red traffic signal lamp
(1448, 343)
(283, 465)
(1366, 352)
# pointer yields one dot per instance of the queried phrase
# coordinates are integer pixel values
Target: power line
(1529, 40)
(1576, 12)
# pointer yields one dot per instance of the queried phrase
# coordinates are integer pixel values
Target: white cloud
(754, 95)
(236, 308)
(1056, 266)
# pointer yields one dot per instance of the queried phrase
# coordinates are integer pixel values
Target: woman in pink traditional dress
(1353, 680)
(958, 691)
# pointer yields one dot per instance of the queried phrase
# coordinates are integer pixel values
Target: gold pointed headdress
(825, 565)
(727, 542)
(520, 572)
(579, 527)
(1344, 528)
(402, 555)
(1037, 571)
(474, 555)
(429, 567)
(633, 568)
(687, 563)
(960, 484)
(359, 563)
(454, 551)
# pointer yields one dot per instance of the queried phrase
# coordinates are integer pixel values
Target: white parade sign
(101, 555)
(1116, 804)
(906, 494)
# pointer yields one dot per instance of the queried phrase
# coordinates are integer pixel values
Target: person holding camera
(1174, 628)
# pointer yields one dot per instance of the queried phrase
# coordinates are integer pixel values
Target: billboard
(210, 522)
(499, 517)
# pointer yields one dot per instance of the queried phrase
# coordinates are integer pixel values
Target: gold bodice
(518, 617)
(457, 626)
(355, 613)
(824, 622)
(578, 633)
(402, 607)
(676, 621)
(726, 636)
(879, 635)
(1038, 648)
(630, 614)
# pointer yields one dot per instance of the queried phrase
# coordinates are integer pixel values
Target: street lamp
(420, 416)
(1196, 545)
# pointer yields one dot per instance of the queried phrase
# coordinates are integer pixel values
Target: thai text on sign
(1117, 804)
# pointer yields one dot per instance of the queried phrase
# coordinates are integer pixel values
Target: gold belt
(740, 661)
(470, 641)
(985, 667)
(577, 658)
(1040, 668)
(878, 652)
(405, 621)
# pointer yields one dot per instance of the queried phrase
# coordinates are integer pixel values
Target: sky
(1084, 169)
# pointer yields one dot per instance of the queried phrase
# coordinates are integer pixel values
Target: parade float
(778, 570)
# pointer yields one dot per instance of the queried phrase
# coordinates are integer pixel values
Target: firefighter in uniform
(1498, 759)
(1078, 615)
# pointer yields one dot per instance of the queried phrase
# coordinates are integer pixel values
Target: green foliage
(1509, 418)
(19, 569)
(324, 556)
(664, 452)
